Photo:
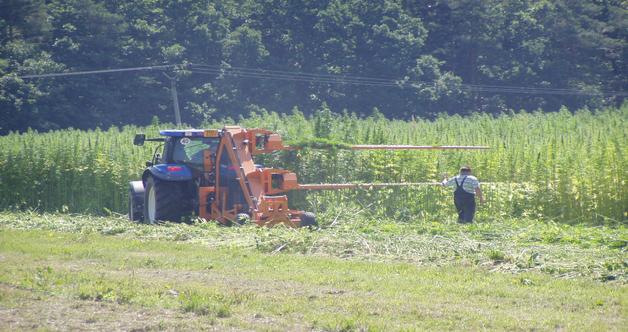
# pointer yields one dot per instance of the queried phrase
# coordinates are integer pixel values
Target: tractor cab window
(190, 150)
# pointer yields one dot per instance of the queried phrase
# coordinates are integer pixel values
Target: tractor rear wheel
(308, 219)
(166, 200)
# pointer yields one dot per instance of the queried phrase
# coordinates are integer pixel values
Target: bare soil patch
(28, 310)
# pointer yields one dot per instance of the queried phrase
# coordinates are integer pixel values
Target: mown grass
(232, 287)
(508, 245)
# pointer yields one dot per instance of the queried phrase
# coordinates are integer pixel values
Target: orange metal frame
(263, 189)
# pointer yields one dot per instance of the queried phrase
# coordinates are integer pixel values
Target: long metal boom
(340, 186)
(417, 147)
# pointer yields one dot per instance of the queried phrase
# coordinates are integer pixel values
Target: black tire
(308, 219)
(135, 211)
(242, 219)
(166, 201)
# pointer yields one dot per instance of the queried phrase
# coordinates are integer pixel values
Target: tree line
(399, 58)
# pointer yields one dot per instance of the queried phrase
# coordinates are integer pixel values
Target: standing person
(467, 187)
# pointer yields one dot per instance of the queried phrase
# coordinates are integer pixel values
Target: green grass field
(60, 271)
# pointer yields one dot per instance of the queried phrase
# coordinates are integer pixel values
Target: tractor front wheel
(165, 200)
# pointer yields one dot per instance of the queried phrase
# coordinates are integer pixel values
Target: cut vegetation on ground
(354, 275)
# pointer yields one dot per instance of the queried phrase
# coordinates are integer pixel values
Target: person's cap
(465, 168)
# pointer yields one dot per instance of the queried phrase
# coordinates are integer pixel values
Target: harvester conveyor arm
(339, 186)
(417, 147)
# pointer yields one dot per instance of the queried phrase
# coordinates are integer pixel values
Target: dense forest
(229, 58)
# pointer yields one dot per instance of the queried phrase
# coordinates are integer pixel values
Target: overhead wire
(294, 76)
(236, 73)
(383, 82)
(101, 71)
(285, 72)
(328, 78)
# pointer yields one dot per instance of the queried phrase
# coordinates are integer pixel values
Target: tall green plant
(563, 166)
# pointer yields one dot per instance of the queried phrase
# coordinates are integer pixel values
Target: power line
(296, 76)
(235, 73)
(91, 72)
(173, 86)
(285, 72)
(381, 82)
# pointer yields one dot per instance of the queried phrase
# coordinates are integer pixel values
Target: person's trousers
(465, 205)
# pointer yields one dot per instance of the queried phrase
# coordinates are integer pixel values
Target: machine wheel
(242, 219)
(308, 219)
(165, 200)
(136, 201)
(134, 215)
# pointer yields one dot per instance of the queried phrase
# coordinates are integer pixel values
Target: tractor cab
(182, 147)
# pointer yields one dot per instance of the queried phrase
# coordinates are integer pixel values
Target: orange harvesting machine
(211, 173)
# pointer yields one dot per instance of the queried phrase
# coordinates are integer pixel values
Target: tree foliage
(434, 54)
